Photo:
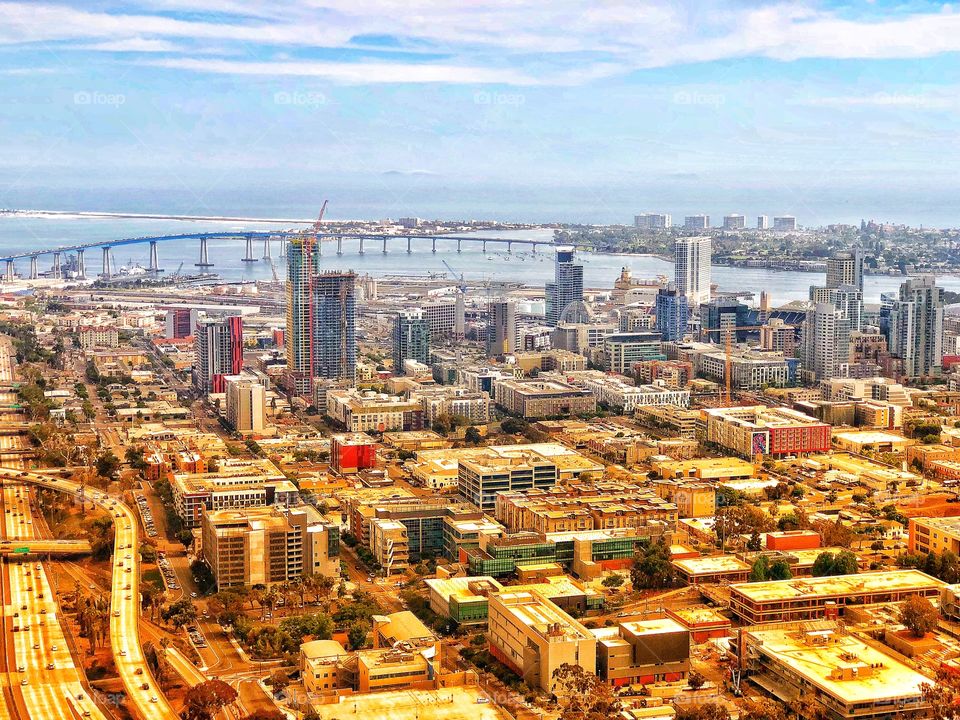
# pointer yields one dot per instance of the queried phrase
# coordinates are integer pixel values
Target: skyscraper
(846, 268)
(672, 313)
(826, 342)
(334, 326)
(501, 328)
(303, 261)
(692, 268)
(763, 222)
(567, 285)
(849, 301)
(734, 222)
(696, 222)
(411, 339)
(180, 322)
(218, 352)
(915, 329)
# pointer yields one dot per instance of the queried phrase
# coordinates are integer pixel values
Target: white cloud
(566, 41)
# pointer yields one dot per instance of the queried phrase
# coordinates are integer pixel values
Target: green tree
(472, 435)
(581, 695)
(652, 568)
(107, 465)
(760, 570)
(780, 570)
(357, 635)
(205, 700)
(919, 616)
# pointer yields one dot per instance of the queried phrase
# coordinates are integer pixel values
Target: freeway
(36, 546)
(148, 703)
(50, 683)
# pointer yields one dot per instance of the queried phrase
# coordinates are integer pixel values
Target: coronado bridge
(250, 240)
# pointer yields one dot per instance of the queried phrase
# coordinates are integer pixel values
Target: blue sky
(709, 101)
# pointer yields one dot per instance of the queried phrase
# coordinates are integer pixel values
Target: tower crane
(729, 332)
(462, 286)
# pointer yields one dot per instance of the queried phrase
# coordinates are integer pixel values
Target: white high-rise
(826, 341)
(915, 331)
(692, 268)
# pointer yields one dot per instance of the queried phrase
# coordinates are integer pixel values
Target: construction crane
(728, 355)
(273, 269)
(462, 286)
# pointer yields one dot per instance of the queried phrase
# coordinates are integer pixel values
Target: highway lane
(149, 703)
(50, 682)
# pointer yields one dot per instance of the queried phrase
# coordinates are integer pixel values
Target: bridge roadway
(49, 681)
(27, 545)
(266, 235)
(149, 703)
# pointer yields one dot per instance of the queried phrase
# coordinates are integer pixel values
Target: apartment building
(365, 411)
(759, 430)
(104, 336)
(934, 535)
(543, 398)
(620, 394)
(481, 479)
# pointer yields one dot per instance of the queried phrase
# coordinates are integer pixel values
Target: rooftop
(840, 665)
(803, 588)
(711, 565)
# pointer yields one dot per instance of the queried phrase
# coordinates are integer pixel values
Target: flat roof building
(812, 598)
(759, 430)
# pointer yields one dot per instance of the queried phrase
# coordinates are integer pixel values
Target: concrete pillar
(11, 271)
(266, 248)
(249, 258)
(56, 265)
(33, 267)
(154, 258)
(458, 244)
(105, 268)
(509, 247)
(81, 265)
(408, 246)
(484, 246)
(204, 258)
(361, 246)
(434, 244)
(339, 244)
(283, 246)
(384, 244)
(534, 248)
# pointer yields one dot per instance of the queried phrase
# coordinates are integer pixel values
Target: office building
(785, 223)
(180, 323)
(777, 336)
(303, 262)
(696, 222)
(218, 352)
(246, 405)
(672, 313)
(567, 285)
(724, 315)
(763, 222)
(352, 452)
(481, 479)
(411, 339)
(846, 268)
(445, 317)
(267, 546)
(692, 268)
(624, 350)
(837, 674)
(532, 636)
(778, 601)
(934, 535)
(734, 222)
(334, 339)
(652, 221)
(826, 342)
(915, 330)
(501, 328)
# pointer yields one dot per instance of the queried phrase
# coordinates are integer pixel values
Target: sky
(560, 108)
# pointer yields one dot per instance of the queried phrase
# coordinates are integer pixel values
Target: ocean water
(20, 234)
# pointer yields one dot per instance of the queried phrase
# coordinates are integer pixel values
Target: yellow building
(716, 469)
(934, 535)
(533, 636)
